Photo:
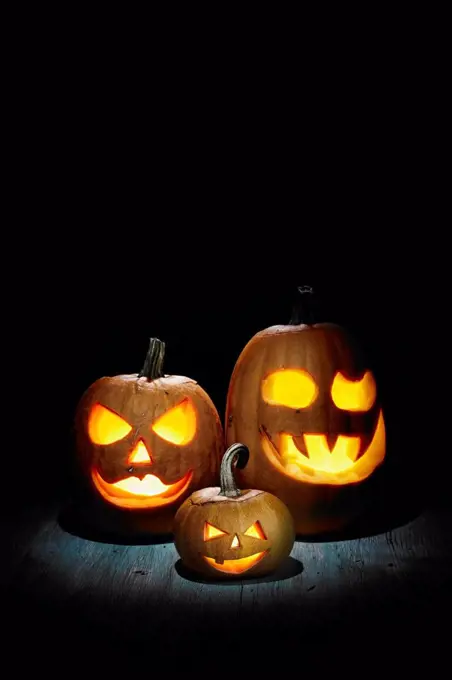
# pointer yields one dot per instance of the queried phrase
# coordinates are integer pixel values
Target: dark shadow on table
(73, 522)
(288, 569)
(398, 498)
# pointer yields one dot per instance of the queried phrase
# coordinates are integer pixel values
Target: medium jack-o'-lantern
(222, 532)
(304, 401)
(145, 441)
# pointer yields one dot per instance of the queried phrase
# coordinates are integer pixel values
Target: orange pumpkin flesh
(145, 442)
(303, 400)
(222, 532)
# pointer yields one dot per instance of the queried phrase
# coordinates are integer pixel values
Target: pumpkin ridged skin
(233, 512)
(140, 401)
(321, 349)
(234, 516)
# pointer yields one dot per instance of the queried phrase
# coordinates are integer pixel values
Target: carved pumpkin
(302, 398)
(222, 532)
(145, 441)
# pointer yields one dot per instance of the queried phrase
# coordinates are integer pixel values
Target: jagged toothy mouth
(320, 464)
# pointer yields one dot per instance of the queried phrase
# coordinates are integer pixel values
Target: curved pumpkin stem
(238, 453)
(303, 309)
(153, 364)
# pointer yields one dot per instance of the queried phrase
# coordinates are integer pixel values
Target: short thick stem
(303, 309)
(153, 364)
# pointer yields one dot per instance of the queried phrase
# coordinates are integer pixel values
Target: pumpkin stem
(153, 364)
(236, 455)
(303, 309)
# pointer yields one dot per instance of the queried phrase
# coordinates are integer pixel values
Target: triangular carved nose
(235, 542)
(139, 454)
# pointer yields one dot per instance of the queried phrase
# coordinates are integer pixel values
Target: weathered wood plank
(328, 595)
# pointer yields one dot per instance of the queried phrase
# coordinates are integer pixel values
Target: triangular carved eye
(256, 531)
(105, 426)
(212, 532)
(178, 425)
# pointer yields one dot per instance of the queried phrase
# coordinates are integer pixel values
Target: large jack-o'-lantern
(145, 441)
(304, 401)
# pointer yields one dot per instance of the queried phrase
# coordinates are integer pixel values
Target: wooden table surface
(385, 592)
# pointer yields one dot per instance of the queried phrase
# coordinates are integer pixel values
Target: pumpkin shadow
(73, 522)
(397, 502)
(288, 569)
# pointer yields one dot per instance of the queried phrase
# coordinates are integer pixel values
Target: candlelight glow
(236, 566)
(139, 454)
(212, 532)
(106, 427)
(289, 387)
(354, 395)
(256, 531)
(149, 492)
(320, 465)
(178, 425)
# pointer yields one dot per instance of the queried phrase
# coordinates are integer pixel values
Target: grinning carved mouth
(237, 566)
(320, 465)
(148, 492)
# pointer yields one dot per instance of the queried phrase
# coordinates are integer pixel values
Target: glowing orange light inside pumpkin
(106, 427)
(212, 532)
(139, 454)
(150, 485)
(341, 458)
(256, 531)
(289, 387)
(150, 492)
(354, 395)
(236, 566)
(300, 466)
(178, 425)
(235, 542)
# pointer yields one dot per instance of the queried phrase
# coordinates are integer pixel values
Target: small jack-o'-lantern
(304, 401)
(145, 441)
(222, 532)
